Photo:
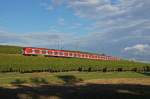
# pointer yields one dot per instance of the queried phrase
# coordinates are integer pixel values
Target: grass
(54, 78)
(10, 49)
(17, 61)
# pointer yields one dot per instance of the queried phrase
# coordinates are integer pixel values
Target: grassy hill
(10, 49)
(12, 60)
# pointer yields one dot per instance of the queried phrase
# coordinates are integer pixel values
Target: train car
(31, 51)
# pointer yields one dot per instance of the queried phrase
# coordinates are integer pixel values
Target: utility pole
(77, 45)
(61, 45)
(58, 44)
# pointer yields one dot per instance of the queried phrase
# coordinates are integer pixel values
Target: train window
(75, 55)
(96, 57)
(70, 54)
(86, 55)
(79, 55)
(101, 57)
(55, 53)
(52, 52)
(82, 55)
(49, 52)
(65, 53)
(37, 51)
(43, 51)
(61, 53)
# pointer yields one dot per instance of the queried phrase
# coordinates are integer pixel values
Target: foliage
(40, 63)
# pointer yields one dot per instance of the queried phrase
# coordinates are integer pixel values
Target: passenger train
(31, 51)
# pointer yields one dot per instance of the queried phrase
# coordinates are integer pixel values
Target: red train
(65, 53)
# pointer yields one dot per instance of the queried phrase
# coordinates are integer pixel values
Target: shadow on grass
(18, 82)
(84, 91)
(35, 81)
(69, 79)
(146, 73)
(38, 81)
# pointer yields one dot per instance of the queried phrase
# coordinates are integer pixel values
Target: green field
(74, 85)
(57, 78)
(11, 60)
(10, 49)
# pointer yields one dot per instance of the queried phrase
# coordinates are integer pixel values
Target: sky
(114, 27)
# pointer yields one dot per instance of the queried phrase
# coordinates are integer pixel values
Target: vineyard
(12, 61)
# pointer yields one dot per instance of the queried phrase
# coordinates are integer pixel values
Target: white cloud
(47, 39)
(107, 8)
(139, 49)
(93, 1)
(51, 4)
(116, 26)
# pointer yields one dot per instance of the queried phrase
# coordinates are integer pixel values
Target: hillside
(12, 60)
(10, 49)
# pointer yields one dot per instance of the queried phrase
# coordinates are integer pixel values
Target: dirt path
(141, 81)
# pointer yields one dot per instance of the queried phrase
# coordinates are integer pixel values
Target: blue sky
(115, 27)
(23, 16)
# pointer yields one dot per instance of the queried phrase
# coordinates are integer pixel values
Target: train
(32, 51)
